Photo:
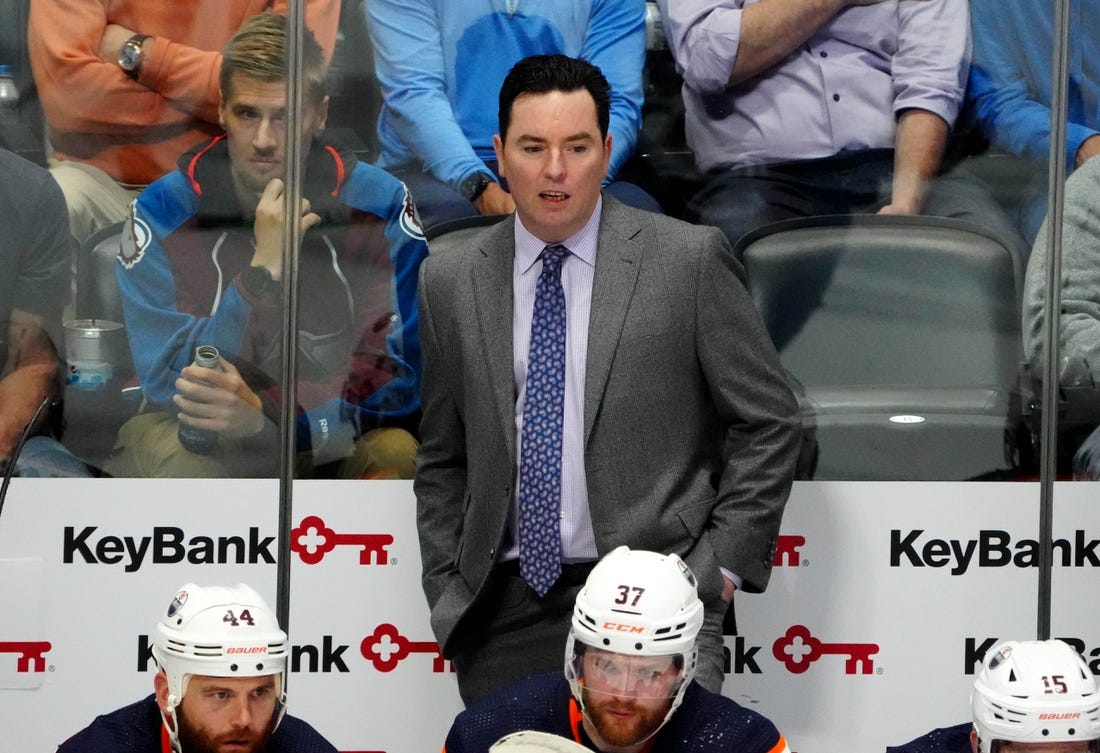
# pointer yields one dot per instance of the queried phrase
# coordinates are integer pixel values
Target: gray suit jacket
(691, 431)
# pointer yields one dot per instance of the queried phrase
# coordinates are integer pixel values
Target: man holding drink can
(201, 264)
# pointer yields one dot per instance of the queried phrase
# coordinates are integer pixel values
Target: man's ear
(160, 688)
(498, 147)
(974, 741)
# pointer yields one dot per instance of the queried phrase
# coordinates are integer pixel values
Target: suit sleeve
(440, 483)
(759, 413)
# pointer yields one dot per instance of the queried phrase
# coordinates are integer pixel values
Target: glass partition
(890, 185)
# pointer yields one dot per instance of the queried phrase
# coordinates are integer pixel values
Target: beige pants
(148, 447)
(94, 198)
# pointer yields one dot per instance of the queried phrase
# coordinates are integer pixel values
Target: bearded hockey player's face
(253, 114)
(626, 698)
(227, 715)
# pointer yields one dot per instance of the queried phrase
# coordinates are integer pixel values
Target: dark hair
(258, 50)
(541, 74)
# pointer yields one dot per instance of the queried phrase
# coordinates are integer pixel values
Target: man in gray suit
(636, 401)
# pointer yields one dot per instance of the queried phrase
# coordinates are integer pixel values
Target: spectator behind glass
(1010, 86)
(202, 265)
(1079, 322)
(35, 251)
(128, 86)
(1030, 697)
(206, 697)
(441, 64)
(801, 107)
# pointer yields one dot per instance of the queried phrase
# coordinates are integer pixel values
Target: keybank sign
(991, 548)
(165, 545)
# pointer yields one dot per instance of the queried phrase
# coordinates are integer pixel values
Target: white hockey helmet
(1035, 692)
(637, 604)
(218, 631)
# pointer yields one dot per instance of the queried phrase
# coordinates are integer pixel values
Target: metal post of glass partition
(1053, 305)
(292, 197)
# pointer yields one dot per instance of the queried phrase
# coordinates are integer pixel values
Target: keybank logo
(311, 540)
(797, 649)
(30, 656)
(166, 545)
(974, 651)
(992, 548)
(788, 550)
(383, 649)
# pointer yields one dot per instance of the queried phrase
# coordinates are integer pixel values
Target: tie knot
(553, 255)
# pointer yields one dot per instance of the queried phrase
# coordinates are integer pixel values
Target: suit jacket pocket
(701, 558)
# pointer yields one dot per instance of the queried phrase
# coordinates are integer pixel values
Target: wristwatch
(130, 56)
(259, 282)
(472, 186)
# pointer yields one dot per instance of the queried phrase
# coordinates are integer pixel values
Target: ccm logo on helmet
(1053, 717)
(621, 628)
(246, 650)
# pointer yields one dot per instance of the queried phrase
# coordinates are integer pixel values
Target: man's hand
(1089, 148)
(728, 586)
(268, 228)
(495, 200)
(114, 36)
(219, 401)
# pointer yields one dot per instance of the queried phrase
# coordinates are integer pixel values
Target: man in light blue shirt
(441, 65)
(1010, 86)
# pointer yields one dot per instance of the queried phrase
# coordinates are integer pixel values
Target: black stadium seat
(904, 334)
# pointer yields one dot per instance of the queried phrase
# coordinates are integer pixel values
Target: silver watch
(130, 56)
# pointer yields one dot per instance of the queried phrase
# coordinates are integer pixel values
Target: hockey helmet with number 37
(1035, 692)
(640, 605)
(218, 631)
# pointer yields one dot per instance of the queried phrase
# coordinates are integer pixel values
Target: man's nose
(266, 136)
(555, 164)
(242, 713)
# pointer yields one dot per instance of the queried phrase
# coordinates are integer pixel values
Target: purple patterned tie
(540, 454)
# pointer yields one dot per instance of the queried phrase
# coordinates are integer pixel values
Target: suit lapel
(619, 253)
(492, 284)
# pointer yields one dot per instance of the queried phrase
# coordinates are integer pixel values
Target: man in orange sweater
(127, 86)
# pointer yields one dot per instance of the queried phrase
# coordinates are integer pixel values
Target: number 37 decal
(625, 595)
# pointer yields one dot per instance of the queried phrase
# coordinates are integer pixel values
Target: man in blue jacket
(202, 264)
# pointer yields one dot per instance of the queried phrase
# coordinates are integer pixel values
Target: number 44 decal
(1054, 684)
(246, 617)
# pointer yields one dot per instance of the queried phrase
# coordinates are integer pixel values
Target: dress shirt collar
(581, 244)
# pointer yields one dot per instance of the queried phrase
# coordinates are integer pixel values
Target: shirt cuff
(732, 576)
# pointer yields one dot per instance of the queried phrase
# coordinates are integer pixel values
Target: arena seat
(904, 335)
(448, 235)
(93, 417)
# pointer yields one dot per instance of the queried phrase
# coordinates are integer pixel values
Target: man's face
(227, 714)
(1078, 746)
(626, 697)
(253, 114)
(554, 160)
